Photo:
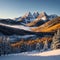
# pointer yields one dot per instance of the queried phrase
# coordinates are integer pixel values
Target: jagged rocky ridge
(29, 19)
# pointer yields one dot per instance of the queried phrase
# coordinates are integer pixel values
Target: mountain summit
(35, 14)
(27, 15)
(41, 19)
(30, 19)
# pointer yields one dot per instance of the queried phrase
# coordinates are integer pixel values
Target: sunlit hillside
(49, 26)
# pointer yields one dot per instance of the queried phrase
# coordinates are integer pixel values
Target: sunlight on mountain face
(49, 26)
(42, 16)
(50, 29)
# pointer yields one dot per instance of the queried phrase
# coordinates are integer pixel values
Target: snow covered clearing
(48, 55)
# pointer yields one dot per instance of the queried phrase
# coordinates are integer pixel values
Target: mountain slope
(19, 30)
(6, 30)
(41, 19)
(27, 18)
(10, 22)
(49, 26)
(17, 26)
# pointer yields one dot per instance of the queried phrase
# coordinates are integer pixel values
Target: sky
(17, 8)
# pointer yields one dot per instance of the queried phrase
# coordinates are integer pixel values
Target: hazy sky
(16, 8)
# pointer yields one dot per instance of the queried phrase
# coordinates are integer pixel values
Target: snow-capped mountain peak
(28, 14)
(42, 16)
(35, 14)
(43, 13)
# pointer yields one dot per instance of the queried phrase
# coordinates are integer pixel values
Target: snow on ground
(48, 55)
(17, 26)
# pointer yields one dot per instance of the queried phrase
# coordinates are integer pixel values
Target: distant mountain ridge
(42, 18)
(30, 19)
(34, 18)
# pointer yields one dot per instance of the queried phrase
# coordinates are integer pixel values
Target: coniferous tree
(45, 45)
(38, 46)
(56, 40)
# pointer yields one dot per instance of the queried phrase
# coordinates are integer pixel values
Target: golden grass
(48, 29)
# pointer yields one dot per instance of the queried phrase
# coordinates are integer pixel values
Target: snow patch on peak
(35, 14)
(44, 18)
